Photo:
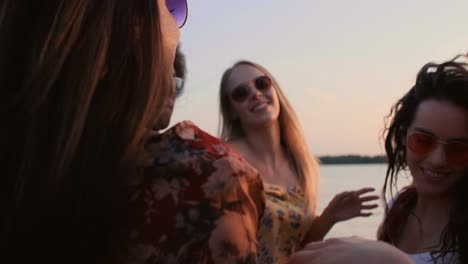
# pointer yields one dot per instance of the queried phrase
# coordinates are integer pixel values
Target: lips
(259, 105)
(434, 175)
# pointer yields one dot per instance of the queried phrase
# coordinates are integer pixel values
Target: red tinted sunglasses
(179, 11)
(455, 151)
(241, 92)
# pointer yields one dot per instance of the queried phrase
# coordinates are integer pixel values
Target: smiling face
(433, 173)
(252, 96)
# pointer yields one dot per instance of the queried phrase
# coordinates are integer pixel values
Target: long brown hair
(79, 81)
(292, 136)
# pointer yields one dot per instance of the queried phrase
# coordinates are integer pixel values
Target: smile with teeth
(260, 106)
(435, 174)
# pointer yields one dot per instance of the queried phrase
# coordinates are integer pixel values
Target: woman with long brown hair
(81, 83)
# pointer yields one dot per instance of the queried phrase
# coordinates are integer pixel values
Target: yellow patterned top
(284, 224)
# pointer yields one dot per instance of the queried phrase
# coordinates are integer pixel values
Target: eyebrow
(463, 139)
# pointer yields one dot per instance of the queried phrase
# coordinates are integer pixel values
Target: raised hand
(343, 206)
(350, 204)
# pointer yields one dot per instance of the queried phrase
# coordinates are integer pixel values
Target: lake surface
(338, 178)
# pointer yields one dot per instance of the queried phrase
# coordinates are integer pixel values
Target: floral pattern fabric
(284, 224)
(198, 202)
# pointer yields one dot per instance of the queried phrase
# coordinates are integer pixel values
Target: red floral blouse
(198, 202)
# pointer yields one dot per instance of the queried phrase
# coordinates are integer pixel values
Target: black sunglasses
(241, 92)
(179, 10)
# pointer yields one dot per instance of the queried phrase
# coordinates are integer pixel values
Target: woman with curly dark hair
(427, 135)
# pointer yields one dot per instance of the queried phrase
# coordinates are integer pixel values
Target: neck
(433, 207)
(265, 143)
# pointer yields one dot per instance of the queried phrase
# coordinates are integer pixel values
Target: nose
(437, 158)
(253, 92)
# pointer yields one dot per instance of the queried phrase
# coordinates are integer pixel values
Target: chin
(165, 117)
(163, 123)
(431, 190)
(264, 118)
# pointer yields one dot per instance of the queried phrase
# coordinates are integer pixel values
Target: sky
(342, 64)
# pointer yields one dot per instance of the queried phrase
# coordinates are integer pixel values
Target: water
(338, 178)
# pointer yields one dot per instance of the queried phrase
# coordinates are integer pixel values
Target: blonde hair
(291, 135)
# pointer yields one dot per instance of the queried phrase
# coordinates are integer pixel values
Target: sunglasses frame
(248, 88)
(436, 143)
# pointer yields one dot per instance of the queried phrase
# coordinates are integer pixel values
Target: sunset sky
(342, 64)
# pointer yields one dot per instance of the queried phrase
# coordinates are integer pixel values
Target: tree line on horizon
(352, 159)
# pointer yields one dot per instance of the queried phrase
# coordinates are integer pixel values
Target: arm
(343, 206)
(351, 250)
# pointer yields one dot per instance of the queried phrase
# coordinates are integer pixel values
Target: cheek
(274, 97)
(170, 33)
(412, 160)
(237, 110)
(461, 171)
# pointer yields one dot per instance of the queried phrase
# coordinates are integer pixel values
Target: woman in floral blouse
(198, 200)
(81, 83)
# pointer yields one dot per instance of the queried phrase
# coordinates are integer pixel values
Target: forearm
(321, 225)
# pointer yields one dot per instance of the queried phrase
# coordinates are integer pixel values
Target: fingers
(365, 214)
(368, 198)
(366, 207)
(363, 191)
(343, 195)
(369, 206)
(357, 193)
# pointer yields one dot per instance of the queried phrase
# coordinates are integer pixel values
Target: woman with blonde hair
(258, 121)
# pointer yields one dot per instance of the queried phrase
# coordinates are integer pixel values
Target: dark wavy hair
(80, 82)
(448, 82)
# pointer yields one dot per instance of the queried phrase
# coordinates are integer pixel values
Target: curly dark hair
(448, 82)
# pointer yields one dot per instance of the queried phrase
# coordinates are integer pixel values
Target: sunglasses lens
(178, 9)
(457, 152)
(420, 143)
(179, 86)
(263, 83)
(240, 93)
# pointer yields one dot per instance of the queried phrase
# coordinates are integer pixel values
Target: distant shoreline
(352, 159)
